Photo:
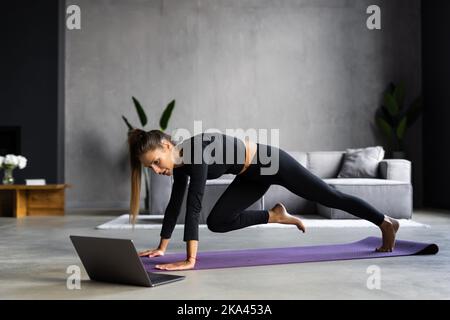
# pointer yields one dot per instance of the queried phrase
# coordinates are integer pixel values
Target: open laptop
(116, 260)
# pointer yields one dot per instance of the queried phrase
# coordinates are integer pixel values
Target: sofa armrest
(395, 169)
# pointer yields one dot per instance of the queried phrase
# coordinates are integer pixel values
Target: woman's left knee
(215, 226)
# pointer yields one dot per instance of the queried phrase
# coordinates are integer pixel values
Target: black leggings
(229, 212)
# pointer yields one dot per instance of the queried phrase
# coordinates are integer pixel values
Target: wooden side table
(19, 201)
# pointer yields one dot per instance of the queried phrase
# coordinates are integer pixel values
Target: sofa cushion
(361, 163)
(325, 164)
(390, 197)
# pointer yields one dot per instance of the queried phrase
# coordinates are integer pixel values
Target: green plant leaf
(384, 126)
(401, 128)
(140, 111)
(384, 113)
(414, 111)
(391, 104)
(130, 127)
(399, 94)
(166, 115)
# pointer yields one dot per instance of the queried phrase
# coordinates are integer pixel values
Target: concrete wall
(308, 67)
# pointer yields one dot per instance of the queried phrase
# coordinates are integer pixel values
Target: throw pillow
(361, 163)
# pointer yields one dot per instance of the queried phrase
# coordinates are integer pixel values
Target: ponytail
(139, 142)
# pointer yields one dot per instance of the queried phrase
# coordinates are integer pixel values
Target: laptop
(117, 261)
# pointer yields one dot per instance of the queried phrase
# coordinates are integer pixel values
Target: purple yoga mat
(363, 249)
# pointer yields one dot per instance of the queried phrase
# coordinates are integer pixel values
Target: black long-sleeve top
(205, 156)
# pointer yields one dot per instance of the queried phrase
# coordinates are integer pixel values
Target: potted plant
(163, 122)
(394, 119)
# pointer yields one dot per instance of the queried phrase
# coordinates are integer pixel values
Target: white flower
(22, 162)
(13, 161)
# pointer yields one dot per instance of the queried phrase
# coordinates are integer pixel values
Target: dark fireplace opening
(10, 140)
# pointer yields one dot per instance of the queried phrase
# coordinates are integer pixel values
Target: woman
(155, 149)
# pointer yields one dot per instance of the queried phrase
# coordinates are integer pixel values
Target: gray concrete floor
(36, 251)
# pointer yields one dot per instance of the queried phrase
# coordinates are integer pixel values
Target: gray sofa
(390, 192)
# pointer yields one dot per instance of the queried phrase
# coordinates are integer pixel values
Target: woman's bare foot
(389, 229)
(279, 214)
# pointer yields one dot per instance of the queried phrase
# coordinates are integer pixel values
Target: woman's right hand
(151, 253)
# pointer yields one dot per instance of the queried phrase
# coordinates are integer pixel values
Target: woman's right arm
(170, 215)
(173, 208)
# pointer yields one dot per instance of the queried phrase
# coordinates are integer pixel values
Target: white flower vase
(8, 164)
(8, 177)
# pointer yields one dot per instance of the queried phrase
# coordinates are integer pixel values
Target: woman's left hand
(182, 265)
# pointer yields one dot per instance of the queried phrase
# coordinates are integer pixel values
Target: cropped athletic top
(205, 156)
